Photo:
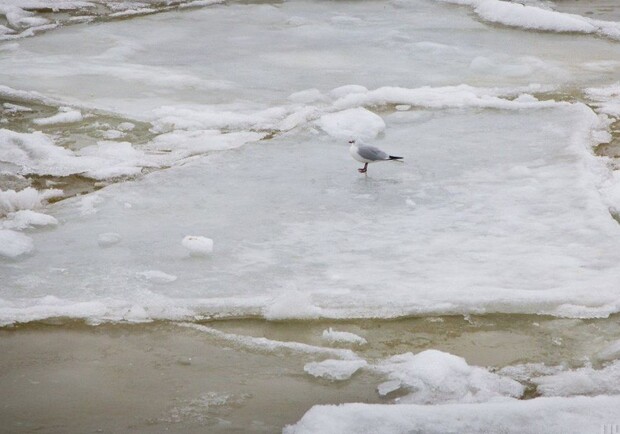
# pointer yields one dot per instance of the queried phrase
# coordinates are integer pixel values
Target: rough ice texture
(506, 218)
(65, 115)
(157, 276)
(610, 352)
(582, 381)
(443, 97)
(14, 244)
(11, 200)
(25, 219)
(433, 377)
(36, 153)
(21, 16)
(307, 96)
(270, 345)
(334, 370)
(486, 197)
(532, 17)
(182, 144)
(15, 108)
(292, 304)
(334, 336)
(527, 371)
(576, 415)
(108, 239)
(27, 199)
(356, 123)
(198, 245)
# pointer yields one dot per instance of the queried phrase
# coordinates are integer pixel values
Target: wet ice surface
(477, 219)
(136, 66)
(240, 199)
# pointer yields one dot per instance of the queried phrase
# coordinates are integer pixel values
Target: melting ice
(242, 199)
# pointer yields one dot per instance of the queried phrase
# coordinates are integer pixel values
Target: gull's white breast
(355, 154)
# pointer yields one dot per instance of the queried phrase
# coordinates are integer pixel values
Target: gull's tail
(395, 158)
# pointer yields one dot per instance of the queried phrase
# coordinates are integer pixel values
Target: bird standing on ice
(368, 154)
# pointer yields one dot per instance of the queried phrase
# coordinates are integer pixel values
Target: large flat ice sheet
(542, 415)
(484, 216)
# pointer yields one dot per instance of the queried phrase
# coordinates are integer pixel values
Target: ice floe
(12, 201)
(335, 336)
(575, 415)
(582, 381)
(36, 153)
(335, 370)
(65, 115)
(27, 218)
(270, 345)
(433, 377)
(534, 17)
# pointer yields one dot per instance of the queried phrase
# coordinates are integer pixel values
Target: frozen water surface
(228, 126)
(258, 54)
(505, 220)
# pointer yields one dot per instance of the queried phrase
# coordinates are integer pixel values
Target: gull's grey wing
(371, 153)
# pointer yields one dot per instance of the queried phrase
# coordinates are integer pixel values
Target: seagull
(368, 154)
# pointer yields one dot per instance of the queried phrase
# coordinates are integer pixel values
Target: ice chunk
(356, 123)
(113, 134)
(14, 244)
(198, 245)
(442, 97)
(576, 415)
(527, 371)
(292, 304)
(11, 200)
(335, 370)
(436, 377)
(14, 108)
(108, 239)
(65, 115)
(269, 345)
(137, 314)
(115, 159)
(388, 387)
(342, 337)
(606, 99)
(126, 126)
(534, 17)
(28, 198)
(37, 153)
(157, 276)
(582, 381)
(610, 352)
(26, 218)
